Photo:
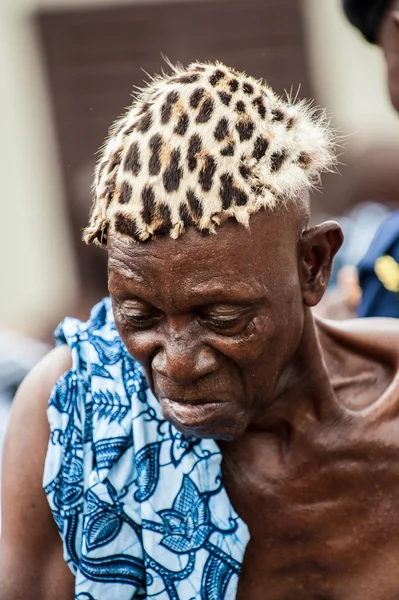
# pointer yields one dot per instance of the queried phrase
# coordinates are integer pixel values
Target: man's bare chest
(323, 524)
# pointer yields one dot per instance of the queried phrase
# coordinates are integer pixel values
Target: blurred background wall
(348, 75)
(44, 179)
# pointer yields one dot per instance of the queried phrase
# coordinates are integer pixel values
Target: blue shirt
(141, 508)
(376, 300)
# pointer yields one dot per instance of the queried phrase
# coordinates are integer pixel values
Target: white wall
(37, 276)
(35, 264)
(348, 74)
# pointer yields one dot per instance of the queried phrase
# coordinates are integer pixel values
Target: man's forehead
(178, 281)
(229, 235)
(234, 257)
(192, 252)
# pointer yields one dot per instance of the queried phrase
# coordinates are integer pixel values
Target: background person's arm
(31, 557)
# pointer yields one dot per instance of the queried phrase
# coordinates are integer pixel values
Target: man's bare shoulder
(30, 403)
(29, 535)
(45, 374)
(376, 335)
(362, 358)
(28, 431)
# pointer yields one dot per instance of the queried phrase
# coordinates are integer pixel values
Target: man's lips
(191, 413)
(189, 402)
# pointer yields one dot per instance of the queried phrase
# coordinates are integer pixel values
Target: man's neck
(304, 393)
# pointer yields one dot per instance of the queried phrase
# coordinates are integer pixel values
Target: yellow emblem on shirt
(387, 271)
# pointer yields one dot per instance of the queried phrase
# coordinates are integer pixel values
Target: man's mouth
(191, 413)
(190, 401)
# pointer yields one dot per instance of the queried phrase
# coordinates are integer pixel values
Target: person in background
(379, 298)
(378, 21)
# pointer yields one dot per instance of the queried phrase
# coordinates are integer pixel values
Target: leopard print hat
(199, 146)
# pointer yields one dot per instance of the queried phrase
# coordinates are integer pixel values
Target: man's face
(214, 320)
(389, 42)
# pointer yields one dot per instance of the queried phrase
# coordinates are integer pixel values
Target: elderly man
(209, 438)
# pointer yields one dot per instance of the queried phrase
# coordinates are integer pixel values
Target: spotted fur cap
(199, 146)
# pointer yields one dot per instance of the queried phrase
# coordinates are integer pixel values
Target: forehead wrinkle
(123, 257)
(141, 271)
(126, 279)
(120, 268)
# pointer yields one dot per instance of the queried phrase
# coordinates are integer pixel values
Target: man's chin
(209, 420)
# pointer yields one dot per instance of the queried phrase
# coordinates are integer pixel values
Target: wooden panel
(94, 57)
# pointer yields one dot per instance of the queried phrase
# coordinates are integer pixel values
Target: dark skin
(304, 411)
(388, 39)
(31, 561)
(221, 329)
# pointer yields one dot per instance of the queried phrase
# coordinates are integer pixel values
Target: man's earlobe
(319, 246)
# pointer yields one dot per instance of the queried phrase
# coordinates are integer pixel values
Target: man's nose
(183, 358)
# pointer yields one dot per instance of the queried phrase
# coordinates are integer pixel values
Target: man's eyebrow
(239, 288)
(229, 304)
(225, 295)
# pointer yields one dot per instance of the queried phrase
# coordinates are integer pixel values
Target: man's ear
(319, 245)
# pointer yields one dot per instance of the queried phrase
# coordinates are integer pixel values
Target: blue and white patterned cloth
(141, 509)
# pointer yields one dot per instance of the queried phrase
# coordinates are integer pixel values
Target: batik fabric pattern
(141, 508)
